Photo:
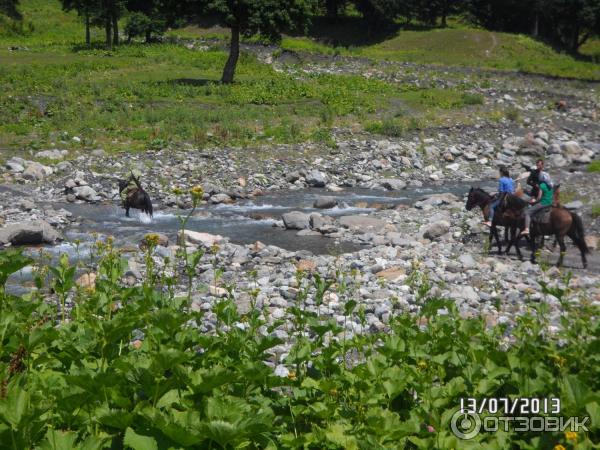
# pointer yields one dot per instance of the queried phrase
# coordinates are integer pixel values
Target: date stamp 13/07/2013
(510, 406)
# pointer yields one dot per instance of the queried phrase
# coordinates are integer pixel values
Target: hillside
(458, 45)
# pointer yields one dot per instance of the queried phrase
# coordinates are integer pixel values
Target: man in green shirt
(544, 198)
(133, 183)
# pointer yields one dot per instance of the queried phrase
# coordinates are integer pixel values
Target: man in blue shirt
(506, 185)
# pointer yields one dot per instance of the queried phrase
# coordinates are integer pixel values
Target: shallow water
(246, 221)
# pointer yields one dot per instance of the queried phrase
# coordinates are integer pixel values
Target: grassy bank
(128, 367)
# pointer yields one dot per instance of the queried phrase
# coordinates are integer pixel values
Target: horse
(137, 199)
(508, 220)
(562, 223)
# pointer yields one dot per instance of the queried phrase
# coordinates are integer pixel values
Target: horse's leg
(127, 210)
(497, 236)
(532, 245)
(509, 240)
(517, 237)
(563, 248)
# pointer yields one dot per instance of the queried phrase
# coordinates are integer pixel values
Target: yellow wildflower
(152, 239)
(197, 191)
(292, 375)
(559, 447)
(571, 435)
(177, 191)
(422, 365)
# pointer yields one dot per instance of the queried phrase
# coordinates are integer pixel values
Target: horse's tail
(578, 234)
(147, 205)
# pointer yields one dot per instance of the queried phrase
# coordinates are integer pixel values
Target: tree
(9, 8)
(100, 13)
(378, 13)
(570, 23)
(268, 18)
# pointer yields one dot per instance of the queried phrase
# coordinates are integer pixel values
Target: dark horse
(562, 223)
(138, 199)
(506, 219)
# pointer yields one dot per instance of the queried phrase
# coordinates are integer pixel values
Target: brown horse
(507, 219)
(562, 223)
(138, 199)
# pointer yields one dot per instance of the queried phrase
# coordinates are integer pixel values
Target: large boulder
(572, 149)
(362, 223)
(296, 220)
(436, 230)
(15, 166)
(29, 233)
(86, 193)
(316, 178)
(325, 202)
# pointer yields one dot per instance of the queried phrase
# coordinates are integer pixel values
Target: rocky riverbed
(381, 215)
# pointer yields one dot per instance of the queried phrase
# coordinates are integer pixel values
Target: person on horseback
(544, 198)
(506, 185)
(133, 183)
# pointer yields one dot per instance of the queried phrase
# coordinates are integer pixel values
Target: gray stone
(466, 293)
(29, 233)
(86, 193)
(316, 178)
(362, 223)
(392, 184)
(52, 154)
(35, 171)
(220, 198)
(325, 202)
(292, 177)
(436, 230)
(576, 204)
(15, 167)
(318, 221)
(571, 148)
(296, 220)
(467, 261)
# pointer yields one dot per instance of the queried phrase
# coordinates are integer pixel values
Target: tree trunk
(332, 9)
(535, 31)
(108, 30)
(445, 14)
(234, 53)
(115, 25)
(88, 40)
(148, 36)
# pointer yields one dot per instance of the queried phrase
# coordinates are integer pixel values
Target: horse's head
(122, 185)
(477, 197)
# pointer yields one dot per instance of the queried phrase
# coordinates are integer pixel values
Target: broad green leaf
(59, 440)
(139, 442)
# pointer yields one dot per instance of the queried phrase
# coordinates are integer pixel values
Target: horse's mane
(513, 202)
(481, 191)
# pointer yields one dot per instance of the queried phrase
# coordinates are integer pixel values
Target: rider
(544, 198)
(133, 183)
(505, 185)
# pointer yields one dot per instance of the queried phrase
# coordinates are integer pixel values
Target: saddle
(542, 216)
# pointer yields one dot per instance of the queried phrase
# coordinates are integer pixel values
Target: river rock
(392, 184)
(14, 166)
(203, 239)
(316, 178)
(436, 230)
(576, 204)
(571, 148)
(86, 193)
(306, 265)
(467, 261)
(29, 233)
(52, 154)
(220, 198)
(87, 281)
(466, 293)
(362, 223)
(325, 202)
(392, 274)
(36, 171)
(318, 221)
(296, 220)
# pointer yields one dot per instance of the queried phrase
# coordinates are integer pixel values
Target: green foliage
(595, 211)
(594, 166)
(130, 369)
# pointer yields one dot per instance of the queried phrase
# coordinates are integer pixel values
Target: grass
(594, 166)
(595, 211)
